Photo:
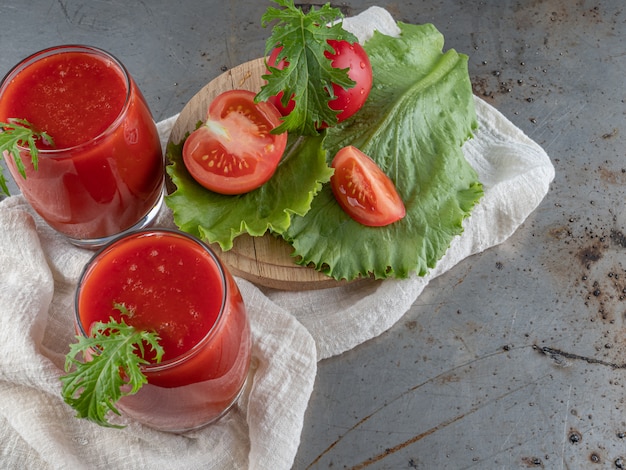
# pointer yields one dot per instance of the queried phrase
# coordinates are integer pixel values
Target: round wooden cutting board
(265, 260)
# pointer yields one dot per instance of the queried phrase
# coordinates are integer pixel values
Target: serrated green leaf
(309, 75)
(217, 218)
(117, 352)
(418, 115)
(18, 133)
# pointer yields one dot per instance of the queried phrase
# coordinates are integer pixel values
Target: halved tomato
(234, 152)
(363, 190)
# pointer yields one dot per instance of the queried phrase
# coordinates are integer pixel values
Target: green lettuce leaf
(217, 218)
(418, 115)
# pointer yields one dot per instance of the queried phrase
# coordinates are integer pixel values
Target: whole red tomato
(346, 56)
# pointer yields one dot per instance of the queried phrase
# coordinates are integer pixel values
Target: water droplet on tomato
(362, 64)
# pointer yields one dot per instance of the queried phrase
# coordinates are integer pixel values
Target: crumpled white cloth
(291, 330)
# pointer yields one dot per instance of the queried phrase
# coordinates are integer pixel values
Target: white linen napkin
(291, 330)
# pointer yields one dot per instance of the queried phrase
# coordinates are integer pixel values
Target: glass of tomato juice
(105, 172)
(173, 284)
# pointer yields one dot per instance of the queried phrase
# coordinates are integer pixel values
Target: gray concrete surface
(517, 357)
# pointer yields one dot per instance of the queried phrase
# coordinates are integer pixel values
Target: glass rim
(62, 49)
(195, 349)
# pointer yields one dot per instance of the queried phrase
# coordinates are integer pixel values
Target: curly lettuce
(219, 218)
(418, 115)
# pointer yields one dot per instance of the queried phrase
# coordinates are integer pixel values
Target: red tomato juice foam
(72, 96)
(170, 285)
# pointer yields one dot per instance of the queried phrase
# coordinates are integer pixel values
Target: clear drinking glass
(105, 173)
(175, 285)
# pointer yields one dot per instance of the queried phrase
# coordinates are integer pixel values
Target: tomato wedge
(234, 152)
(363, 190)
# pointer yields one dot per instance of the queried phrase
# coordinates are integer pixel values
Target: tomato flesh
(363, 190)
(346, 56)
(234, 151)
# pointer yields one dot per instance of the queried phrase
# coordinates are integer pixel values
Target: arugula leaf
(117, 351)
(309, 75)
(418, 115)
(218, 218)
(15, 134)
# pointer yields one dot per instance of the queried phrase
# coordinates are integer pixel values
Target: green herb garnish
(93, 387)
(309, 75)
(15, 134)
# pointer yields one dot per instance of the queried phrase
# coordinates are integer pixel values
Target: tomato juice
(104, 174)
(174, 285)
